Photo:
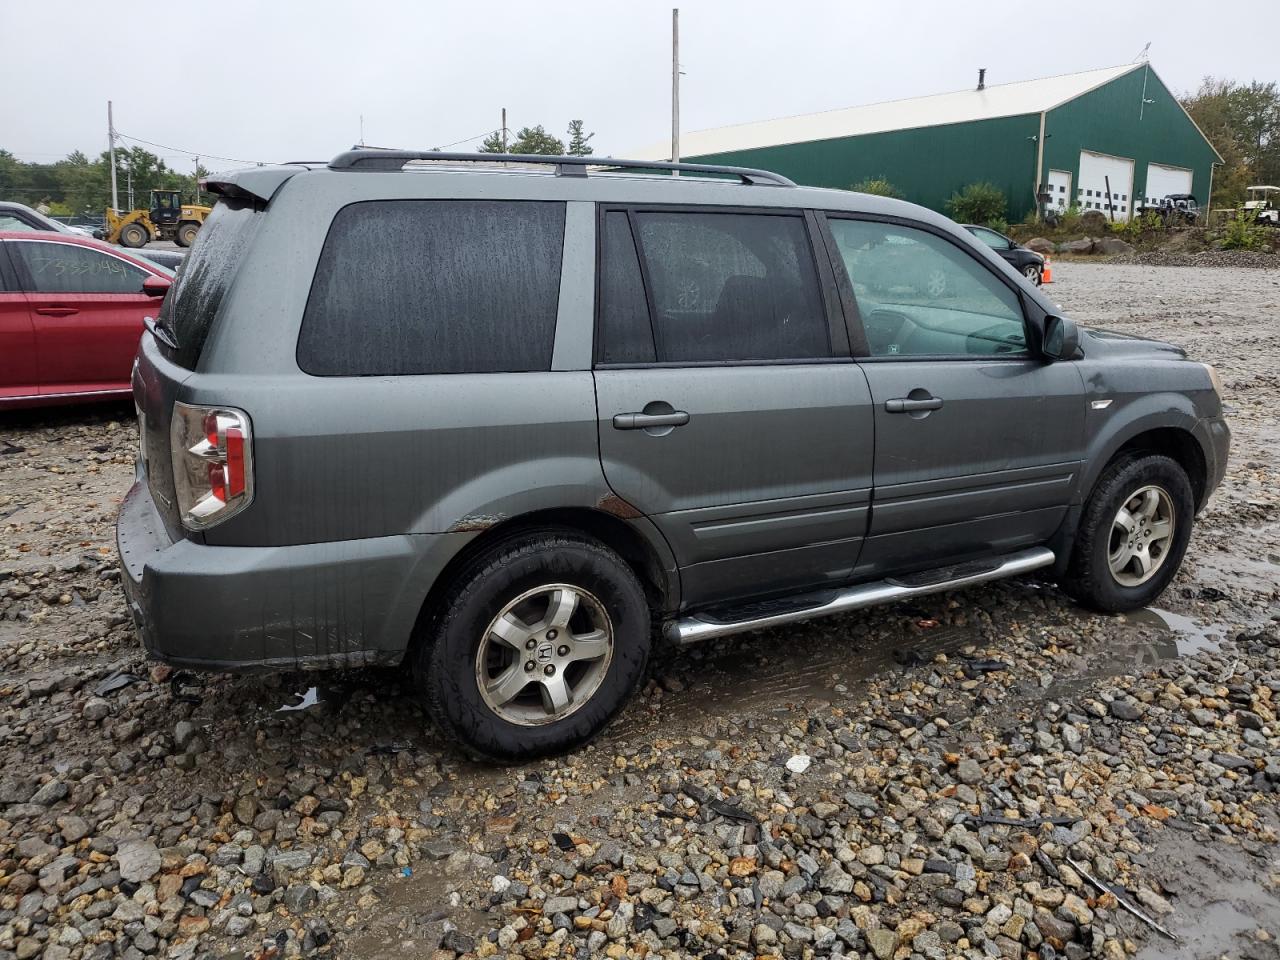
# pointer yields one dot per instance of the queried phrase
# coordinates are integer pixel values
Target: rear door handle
(645, 421)
(56, 311)
(907, 405)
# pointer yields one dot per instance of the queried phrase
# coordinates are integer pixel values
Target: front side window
(720, 287)
(435, 286)
(70, 268)
(921, 295)
(992, 239)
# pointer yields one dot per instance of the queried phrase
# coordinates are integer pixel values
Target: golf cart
(1263, 205)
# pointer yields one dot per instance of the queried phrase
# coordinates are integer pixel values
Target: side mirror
(156, 286)
(1061, 338)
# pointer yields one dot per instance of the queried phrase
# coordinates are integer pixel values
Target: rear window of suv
(435, 286)
(206, 274)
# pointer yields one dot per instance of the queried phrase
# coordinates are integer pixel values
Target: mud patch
(412, 915)
(775, 670)
(1221, 897)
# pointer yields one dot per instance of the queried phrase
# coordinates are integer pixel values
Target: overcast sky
(288, 79)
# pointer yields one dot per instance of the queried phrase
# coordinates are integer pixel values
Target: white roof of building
(998, 100)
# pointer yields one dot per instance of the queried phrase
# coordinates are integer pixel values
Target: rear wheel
(134, 235)
(1032, 273)
(1133, 534)
(539, 643)
(186, 235)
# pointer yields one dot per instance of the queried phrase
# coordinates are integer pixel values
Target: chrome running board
(703, 626)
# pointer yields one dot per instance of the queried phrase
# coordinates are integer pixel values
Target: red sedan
(71, 312)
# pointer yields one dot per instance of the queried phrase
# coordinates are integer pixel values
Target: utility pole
(362, 129)
(504, 129)
(111, 149)
(129, 174)
(196, 177)
(675, 87)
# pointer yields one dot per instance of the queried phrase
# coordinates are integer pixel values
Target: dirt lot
(994, 773)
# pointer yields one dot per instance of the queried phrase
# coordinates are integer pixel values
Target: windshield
(192, 305)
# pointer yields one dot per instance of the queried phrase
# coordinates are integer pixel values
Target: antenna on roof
(982, 78)
(1142, 55)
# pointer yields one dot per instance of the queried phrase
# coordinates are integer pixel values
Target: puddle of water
(1154, 637)
(1189, 636)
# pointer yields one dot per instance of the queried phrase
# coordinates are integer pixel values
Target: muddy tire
(537, 645)
(186, 234)
(134, 235)
(1133, 534)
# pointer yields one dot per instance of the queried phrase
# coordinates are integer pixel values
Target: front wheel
(538, 645)
(134, 235)
(1032, 273)
(1133, 534)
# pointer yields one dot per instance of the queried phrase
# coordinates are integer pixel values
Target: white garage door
(1164, 181)
(1097, 170)
(1059, 189)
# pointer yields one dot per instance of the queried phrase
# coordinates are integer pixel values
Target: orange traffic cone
(1046, 275)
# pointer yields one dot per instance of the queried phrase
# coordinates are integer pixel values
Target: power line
(467, 139)
(190, 153)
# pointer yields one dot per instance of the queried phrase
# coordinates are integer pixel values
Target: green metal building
(1071, 137)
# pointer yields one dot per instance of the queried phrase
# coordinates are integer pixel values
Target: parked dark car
(494, 419)
(1027, 262)
(20, 217)
(169, 259)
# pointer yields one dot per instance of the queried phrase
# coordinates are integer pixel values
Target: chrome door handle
(645, 421)
(907, 405)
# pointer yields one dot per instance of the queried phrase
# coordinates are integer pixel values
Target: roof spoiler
(252, 183)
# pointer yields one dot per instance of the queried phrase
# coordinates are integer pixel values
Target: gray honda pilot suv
(508, 424)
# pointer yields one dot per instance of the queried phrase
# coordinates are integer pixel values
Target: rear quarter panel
(339, 458)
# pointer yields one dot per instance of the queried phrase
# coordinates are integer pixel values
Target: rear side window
(70, 268)
(10, 221)
(192, 303)
(626, 335)
(709, 287)
(435, 286)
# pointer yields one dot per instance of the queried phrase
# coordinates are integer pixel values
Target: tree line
(538, 140)
(1243, 121)
(80, 186)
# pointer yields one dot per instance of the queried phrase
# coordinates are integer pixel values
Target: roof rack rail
(380, 159)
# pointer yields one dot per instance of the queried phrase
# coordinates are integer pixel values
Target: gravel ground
(993, 773)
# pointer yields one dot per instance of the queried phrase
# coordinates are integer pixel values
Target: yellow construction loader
(168, 219)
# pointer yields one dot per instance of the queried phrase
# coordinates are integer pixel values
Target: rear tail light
(212, 463)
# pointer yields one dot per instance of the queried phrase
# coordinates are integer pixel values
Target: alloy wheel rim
(1141, 536)
(937, 283)
(544, 655)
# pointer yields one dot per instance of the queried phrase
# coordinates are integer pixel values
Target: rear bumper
(320, 605)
